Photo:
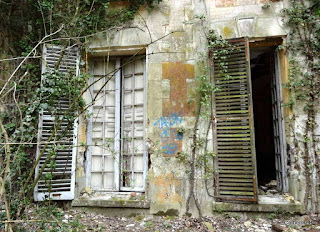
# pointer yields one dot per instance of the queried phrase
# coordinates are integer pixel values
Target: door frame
(280, 66)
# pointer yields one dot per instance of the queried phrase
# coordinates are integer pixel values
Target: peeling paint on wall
(177, 73)
(167, 185)
(176, 77)
(230, 3)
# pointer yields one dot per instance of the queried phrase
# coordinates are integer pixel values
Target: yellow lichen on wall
(82, 136)
(227, 32)
(284, 69)
(79, 171)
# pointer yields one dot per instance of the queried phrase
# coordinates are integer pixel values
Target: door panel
(103, 125)
(235, 173)
(278, 128)
(133, 154)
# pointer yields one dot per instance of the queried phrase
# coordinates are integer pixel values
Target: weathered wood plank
(234, 155)
(237, 193)
(233, 179)
(233, 112)
(233, 139)
(235, 171)
(249, 184)
(231, 168)
(222, 159)
(233, 132)
(248, 189)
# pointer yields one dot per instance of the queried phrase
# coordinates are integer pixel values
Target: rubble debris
(225, 221)
(272, 184)
(278, 228)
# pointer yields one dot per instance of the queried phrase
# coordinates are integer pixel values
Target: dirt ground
(221, 222)
(52, 218)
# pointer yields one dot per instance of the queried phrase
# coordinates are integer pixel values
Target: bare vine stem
(192, 165)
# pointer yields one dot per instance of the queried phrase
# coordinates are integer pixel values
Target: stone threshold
(266, 204)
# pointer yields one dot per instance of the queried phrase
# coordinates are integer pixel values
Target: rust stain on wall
(231, 3)
(167, 185)
(177, 73)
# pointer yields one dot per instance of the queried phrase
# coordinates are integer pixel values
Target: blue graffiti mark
(170, 134)
(179, 136)
(170, 148)
(171, 120)
(165, 135)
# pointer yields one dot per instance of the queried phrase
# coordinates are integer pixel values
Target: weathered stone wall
(175, 41)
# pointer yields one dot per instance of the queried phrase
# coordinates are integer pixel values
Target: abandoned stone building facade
(143, 112)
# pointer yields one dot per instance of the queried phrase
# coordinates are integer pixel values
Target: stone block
(246, 26)
(154, 72)
(266, 204)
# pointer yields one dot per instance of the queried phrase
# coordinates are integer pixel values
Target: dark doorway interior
(262, 69)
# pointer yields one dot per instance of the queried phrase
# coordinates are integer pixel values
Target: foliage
(44, 97)
(302, 17)
(49, 216)
(205, 90)
(216, 42)
(24, 24)
(27, 21)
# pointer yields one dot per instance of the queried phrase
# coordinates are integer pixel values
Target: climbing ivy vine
(302, 18)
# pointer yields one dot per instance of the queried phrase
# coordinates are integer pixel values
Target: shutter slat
(55, 189)
(234, 155)
(233, 132)
(237, 183)
(236, 193)
(226, 82)
(240, 166)
(221, 159)
(227, 181)
(236, 188)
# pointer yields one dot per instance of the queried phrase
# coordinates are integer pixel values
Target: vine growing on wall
(303, 20)
(202, 155)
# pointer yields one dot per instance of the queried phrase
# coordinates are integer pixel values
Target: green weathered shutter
(235, 172)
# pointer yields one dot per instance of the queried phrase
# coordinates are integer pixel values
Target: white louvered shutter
(58, 178)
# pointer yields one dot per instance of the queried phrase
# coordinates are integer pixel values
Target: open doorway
(261, 75)
(247, 112)
(268, 120)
